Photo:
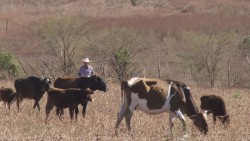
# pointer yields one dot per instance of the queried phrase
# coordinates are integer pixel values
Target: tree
(64, 36)
(204, 55)
(119, 48)
(9, 65)
(244, 48)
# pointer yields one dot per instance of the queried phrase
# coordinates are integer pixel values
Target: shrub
(9, 65)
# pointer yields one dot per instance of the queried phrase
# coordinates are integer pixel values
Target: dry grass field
(101, 117)
(162, 22)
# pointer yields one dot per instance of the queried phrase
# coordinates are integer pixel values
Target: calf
(66, 98)
(8, 96)
(215, 105)
(93, 83)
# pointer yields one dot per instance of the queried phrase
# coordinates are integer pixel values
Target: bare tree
(64, 36)
(205, 54)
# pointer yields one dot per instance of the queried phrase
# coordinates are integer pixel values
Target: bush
(9, 65)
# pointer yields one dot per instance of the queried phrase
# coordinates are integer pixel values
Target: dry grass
(101, 117)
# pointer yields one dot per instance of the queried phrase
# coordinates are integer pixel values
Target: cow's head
(200, 121)
(46, 82)
(224, 119)
(199, 118)
(99, 84)
(87, 95)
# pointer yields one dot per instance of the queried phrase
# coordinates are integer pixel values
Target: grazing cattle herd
(151, 96)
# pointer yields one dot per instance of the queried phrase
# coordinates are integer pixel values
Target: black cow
(7, 95)
(215, 105)
(32, 88)
(94, 83)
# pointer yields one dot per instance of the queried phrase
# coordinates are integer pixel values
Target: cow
(155, 96)
(215, 105)
(8, 96)
(31, 87)
(67, 98)
(94, 83)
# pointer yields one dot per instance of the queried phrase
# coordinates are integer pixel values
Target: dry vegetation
(101, 117)
(161, 24)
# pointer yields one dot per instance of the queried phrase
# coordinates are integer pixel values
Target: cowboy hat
(86, 60)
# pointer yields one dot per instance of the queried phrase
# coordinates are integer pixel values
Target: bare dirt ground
(101, 117)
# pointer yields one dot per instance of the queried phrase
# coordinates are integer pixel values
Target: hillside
(161, 22)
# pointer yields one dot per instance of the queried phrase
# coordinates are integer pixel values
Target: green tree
(9, 66)
(119, 49)
(121, 63)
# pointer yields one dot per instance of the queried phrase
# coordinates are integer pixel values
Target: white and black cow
(154, 96)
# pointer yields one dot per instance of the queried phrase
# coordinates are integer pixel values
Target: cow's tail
(124, 85)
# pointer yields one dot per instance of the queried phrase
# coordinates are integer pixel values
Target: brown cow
(154, 96)
(94, 83)
(215, 105)
(67, 98)
(8, 96)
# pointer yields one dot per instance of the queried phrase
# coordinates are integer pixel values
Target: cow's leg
(84, 107)
(76, 112)
(8, 104)
(124, 108)
(128, 115)
(17, 102)
(58, 112)
(171, 122)
(182, 118)
(214, 119)
(71, 112)
(48, 108)
(36, 105)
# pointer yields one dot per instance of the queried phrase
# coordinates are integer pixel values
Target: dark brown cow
(8, 96)
(32, 88)
(155, 96)
(67, 98)
(215, 105)
(94, 83)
